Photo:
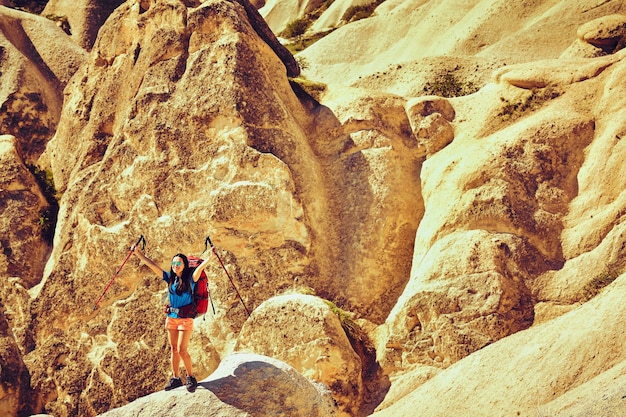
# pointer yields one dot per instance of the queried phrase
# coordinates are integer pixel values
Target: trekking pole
(207, 286)
(132, 249)
(208, 239)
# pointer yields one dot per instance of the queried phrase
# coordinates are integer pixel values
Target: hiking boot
(192, 384)
(173, 383)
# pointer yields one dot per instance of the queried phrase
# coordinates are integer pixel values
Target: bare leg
(183, 344)
(175, 356)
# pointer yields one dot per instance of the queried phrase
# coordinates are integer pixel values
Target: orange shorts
(178, 324)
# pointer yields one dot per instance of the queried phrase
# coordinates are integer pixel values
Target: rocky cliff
(429, 217)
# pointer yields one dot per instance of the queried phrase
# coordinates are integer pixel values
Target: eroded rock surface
(303, 331)
(36, 62)
(23, 211)
(243, 385)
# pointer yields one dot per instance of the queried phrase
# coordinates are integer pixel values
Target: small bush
(45, 181)
(61, 21)
(296, 27)
(303, 63)
(535, 99)
(446, 84)
(47, 221)
(299, 26)
(48, 216)
(348, 324)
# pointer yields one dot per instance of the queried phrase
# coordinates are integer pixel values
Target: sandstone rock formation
(243, 385)
(395, 41)
(23, 211)
(14, 383)
(80, 19)
(462, 212)
(36, 62)
(22, 216)
(304, 332)
(264, 31)
(529, 373)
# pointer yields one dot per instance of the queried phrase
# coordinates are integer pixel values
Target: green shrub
(45, 181)
(61, 21)
(345, 318)
(48, 216)
(299, 26)
(47, 222)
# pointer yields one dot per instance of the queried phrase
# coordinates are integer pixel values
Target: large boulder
(472, 292)
(304, 332)
(243, 385)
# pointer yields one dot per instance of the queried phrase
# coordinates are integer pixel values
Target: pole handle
(141, 240)
(208, 242)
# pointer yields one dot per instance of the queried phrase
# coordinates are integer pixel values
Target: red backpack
(200, 303)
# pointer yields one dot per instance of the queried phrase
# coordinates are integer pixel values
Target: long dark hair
(184, 284)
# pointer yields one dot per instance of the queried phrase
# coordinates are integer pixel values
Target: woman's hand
(198, 271)
(151, 264)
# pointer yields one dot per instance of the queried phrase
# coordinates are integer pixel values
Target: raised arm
(198, 271)
(155, 268)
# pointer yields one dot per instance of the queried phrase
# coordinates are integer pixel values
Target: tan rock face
(23, 211)
(204, 135)
(14, 387)
(577, 349)
(430, 119)
(524, 183)
(463, 301)
(80, 19)
(36, 61)
(607, 32)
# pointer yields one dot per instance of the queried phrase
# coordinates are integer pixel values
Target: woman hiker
(180, 280)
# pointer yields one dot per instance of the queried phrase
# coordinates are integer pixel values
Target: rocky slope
(430, 232)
